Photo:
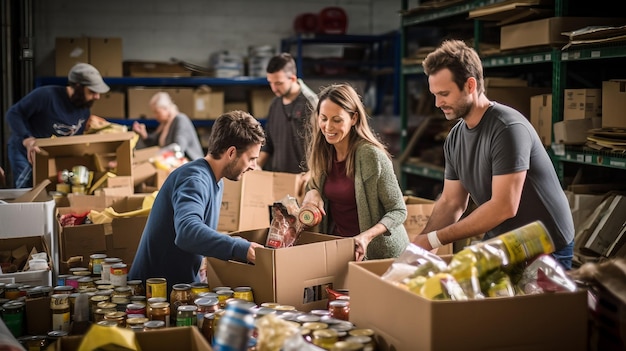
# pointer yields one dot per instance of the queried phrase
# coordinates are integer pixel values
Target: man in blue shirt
(181, 228)
(50, 111)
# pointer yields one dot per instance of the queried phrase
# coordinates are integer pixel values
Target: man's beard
(78, 99)
(230, 172)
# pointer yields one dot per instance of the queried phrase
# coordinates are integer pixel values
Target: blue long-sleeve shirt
(181, 228)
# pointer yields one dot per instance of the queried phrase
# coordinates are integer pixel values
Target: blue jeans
(564, 256)
(21, 169)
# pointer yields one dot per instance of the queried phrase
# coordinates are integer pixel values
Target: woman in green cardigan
(352, 180)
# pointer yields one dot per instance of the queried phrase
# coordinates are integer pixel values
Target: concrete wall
(191, 30)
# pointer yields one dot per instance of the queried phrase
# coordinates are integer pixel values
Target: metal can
(153, 325)
(198, 288)
(60, 306)
(118, 316)
(137, 287)
(156, 287)
(205, 305)
(106, 267)
(325, 338)
(119, 274)
(13, 313)
(310, 215)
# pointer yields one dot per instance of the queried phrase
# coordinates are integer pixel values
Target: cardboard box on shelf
(516, 97)
(547, 31)
(295, 276)
(531, 322)
(62, 153)
(208, 103)
(106, 55)
(154, 69)
(165, 339)
(15, 254)
(30, 219)
(613, 104)
(260, 101)
(68, 52)
(110, 105)
(573, 131)
(119, 238)
(581, 103)
(541, 117)
(139, 100)
(246, 203)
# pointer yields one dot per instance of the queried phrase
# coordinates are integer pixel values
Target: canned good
(34, 342)
(13, 313)
(234, 329)
(118, 317)
(197, 289)
(181, 295)
(152, 325)
(310, 215)
(61, 279)
(106, 267)
(243, 293)
(12, 291)
(160, 311)
(339, 309)
(60, 306)
(156, 287)
(205, 305)
(325, 338)
(136, 287)
(136, 322)
(119, 274)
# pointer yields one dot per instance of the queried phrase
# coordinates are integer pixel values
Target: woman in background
(174, 127)
(352, 178)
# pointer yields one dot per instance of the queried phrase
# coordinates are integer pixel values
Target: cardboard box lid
(83, 144)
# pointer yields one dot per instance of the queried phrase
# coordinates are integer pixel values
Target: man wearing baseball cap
(48, 111)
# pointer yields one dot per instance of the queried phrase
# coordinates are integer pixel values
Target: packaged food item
(285, 227)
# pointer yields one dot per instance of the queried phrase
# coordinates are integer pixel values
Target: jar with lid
(180, 295)
(94, 301)
(153, 325)
(339, 309)
(136, 323)
(12, 291)
(34, 342)
(186, 315)
(85, 283)
(118, 317)
(136, 308)
(119, 274)
(205, 305)
(223, 295)
(197, 288)
(207, 326)
(156, 287)
(149, 303)
(365, 340)
(243, 293)
(80, 271)
(55, 335)
(13, 314)
(106, 267)
(160, 311)
(325, 338)
(95, 263)
(310, 215)
(136, 287)
(121, 295)
(60, 306)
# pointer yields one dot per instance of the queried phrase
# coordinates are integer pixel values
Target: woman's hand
(140, 129)
(360, 246)
(314, 198)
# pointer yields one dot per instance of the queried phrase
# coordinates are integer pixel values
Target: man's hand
(31, 148)
(251, 253)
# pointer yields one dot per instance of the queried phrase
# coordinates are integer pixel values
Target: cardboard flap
(38, 192)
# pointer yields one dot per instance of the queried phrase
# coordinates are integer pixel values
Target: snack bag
(285, 227)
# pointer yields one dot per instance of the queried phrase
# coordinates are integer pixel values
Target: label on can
(156, 287)
(310, 215)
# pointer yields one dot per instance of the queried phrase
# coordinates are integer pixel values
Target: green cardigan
(378, 200)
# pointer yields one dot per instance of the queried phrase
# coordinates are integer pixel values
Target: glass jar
(95, 263)
(156, 287)
(180, 295)
(136, 308)
(325, 338)
(12, 291)
(339, 309)
(153, 325)
(243, 293)
(198, 288)
(136, 323)
(205, 305)
(136, 287)
(118, 317)
(160, 311)
(207, 326)
(149, 303)
(223, 295)
(186, 315)
(121, 295)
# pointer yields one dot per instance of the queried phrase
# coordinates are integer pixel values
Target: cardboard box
(572, 132)
(68, 52)
(34, 278)
(166, 339)
(90, 151)
(541, 117)
(606, 232)
(110, 105)
(208, 103)
(30, 219)
(531, 322)
(418, 214)
(581, 103)
(582, 206)
(106, 55)
(120, 238)
(295, 276)
(246, 203)
(547, 31)
(260, 101)
(516, 97)
(232, 106)
(139, 100)
(614, 104)
(154, 69)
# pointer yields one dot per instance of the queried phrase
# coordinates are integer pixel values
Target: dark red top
(339, 190)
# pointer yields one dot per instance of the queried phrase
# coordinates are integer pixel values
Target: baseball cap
(87, 75)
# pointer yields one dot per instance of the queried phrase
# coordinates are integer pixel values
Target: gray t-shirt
(505, 142)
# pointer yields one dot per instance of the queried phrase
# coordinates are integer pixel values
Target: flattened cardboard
(295, 276)
(540, 322)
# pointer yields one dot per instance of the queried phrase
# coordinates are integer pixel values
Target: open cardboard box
(418, 213)
(120, 238)
(295, 276)
(19, 250)
(92, 151)
(405, 321)
(166, 339)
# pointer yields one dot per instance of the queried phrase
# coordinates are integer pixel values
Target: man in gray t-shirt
(494, 156)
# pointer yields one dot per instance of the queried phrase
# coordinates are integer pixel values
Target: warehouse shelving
(553, 58)
(165, 81)
(379, 66)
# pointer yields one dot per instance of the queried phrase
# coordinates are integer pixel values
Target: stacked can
(234, 329)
